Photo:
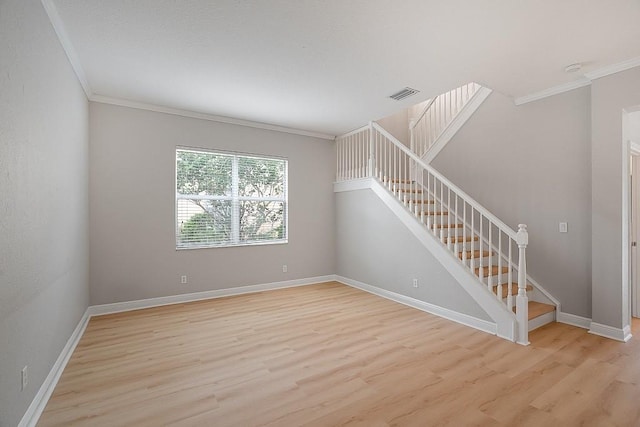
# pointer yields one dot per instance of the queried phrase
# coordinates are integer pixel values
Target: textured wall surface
(43, 202)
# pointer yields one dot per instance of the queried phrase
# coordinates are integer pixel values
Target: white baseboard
(118, 307)
(465, 319)
(618, 334)
(540, 321)
(573, 320)
(39, 402)
(31, 417)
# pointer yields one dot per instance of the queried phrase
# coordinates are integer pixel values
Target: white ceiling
(329, 65)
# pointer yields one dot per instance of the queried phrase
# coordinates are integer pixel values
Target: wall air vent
(407, 91)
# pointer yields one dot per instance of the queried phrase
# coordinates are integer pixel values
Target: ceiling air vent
(407, 91)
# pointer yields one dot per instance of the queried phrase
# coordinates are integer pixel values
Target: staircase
(486, 256)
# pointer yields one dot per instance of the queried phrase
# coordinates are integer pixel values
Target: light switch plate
(563, 227)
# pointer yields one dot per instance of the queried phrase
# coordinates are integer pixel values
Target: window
(227, 199)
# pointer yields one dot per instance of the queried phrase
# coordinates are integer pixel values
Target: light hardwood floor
(327, 354)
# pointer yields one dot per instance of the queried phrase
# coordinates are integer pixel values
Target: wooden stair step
(409, 190)
(475, 254)
(514, 289)
(494, 270)
(460, 239)
(435, 213)
(537, 309)
(398, 181)
(423, 202)
(439, 226)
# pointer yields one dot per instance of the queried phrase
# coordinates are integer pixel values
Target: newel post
(522, 302)
(370, 170)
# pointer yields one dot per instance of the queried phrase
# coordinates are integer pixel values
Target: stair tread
(494, 270)
(409, 190)
(537, 309)
(434, 213)
(459, 239)
(476, 254)
(398, 181)
(449, 225)
(514, 289)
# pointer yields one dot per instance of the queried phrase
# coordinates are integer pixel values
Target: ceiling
(328, 66)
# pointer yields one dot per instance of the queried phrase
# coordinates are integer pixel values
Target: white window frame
(234, 199)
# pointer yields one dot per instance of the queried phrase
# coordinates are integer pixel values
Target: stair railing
(437, 115)
(470, 232)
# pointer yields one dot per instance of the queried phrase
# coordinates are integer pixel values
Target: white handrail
(470, 200)
(424, 111)
(438, 116)
(446, 210)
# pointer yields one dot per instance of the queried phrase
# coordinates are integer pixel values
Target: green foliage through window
(228, 199)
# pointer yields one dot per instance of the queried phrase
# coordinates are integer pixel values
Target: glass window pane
(204, 222)
(203, 173)
(261, 221)
(259, 177)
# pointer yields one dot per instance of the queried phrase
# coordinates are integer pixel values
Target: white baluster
(480, 270)
(510, 278)
(499, 290)
(464, 233)
(471, 245)
(522, 302)
(490, 279)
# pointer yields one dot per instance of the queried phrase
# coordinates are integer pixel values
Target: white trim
(573, 320)
(503, 317)
(585, 80)
(39, 402)
(555, 90)
(613, 68)
(618, 334)
(634, 147)
(204, 116)
(67, 46)
(464, 319)
(456, 123)
(541, 320)
(118, 307)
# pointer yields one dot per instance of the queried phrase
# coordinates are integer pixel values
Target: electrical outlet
(183, 280)
(563, 227)
(25, 377)
(415, 283)
(284, 268)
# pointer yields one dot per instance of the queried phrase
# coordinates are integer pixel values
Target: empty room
(319, 213)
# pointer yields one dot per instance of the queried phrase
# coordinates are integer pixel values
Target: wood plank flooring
(328, 355)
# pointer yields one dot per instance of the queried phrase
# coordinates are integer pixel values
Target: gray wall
(374, 247)
(397, 125)
(43, 202)
(132, 197)
(532, 164)
(610, 95)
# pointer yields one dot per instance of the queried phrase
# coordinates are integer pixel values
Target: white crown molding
(67, 46)
(437, 310)
(583, 81)
(613, 69)
(555, 90)
(39, 402)
(204, 116)
(606, 331)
